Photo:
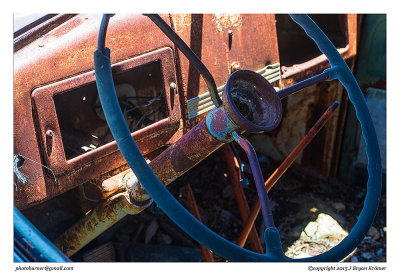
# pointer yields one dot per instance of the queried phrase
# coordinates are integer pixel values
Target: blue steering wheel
(274, 252)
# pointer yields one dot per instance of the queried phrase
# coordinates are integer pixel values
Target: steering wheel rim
(201, 233)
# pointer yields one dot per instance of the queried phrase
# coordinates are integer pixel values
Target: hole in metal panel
(80, 116)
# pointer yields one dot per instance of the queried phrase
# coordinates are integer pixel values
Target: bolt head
(235, 66)
(172, 85)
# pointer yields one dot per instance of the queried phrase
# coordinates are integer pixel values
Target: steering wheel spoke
(258, 179)
(303, 84)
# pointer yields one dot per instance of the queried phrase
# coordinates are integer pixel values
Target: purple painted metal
(220, 125)
(252, 102)
(232, 168)
(258, 179)
(283, 167)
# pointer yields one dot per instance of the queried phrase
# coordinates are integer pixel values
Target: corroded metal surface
(29, 36)
(203, 103)
(252, 102)
(301, 110)
(97, 221)
(146, 138)
(188, 151)
(220, 125)
(65, 51)
(298, 72)
(253, 45)
(205, 252)
(62, 47)
(232, 168)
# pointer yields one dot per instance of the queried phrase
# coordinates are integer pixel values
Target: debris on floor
(312, 216)
(317, 237)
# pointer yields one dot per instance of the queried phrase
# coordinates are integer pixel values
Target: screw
(172, 85)
(49, 133)
(230, 33)
(235, 66)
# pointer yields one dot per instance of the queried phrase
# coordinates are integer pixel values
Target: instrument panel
(58, 122)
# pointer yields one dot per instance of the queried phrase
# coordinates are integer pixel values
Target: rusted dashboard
(60, 134)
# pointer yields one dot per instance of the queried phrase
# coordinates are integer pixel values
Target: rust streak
(207, 255)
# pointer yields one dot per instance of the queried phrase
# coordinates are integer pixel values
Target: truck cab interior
(199, 137)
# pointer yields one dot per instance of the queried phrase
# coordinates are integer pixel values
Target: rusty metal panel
(301, 111)
(314, 66)
(63, 52)
(220, 40)
(64, 49)
(147, 141)
(304, 108)
(23, 38)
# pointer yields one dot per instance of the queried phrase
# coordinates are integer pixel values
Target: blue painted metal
(221, 128)
(19, 256)
(370, 71)
(39, 244)
(303, 84)
(191, 225)
(342, 72)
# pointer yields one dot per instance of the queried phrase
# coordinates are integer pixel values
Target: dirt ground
(297, 199)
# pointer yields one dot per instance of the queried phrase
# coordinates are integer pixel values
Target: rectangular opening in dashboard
(81, 119)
